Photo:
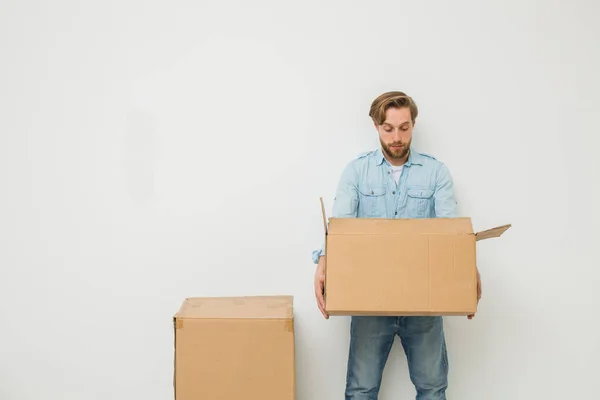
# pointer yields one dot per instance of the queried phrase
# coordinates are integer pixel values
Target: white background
(151, 151)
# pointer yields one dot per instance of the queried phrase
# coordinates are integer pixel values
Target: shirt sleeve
(345, 203)
(444, 197)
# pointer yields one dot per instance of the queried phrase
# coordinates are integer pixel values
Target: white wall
(156, 150)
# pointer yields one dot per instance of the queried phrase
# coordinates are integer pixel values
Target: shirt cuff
(316, 255)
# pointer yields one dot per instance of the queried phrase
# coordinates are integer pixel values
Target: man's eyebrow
(387, 123)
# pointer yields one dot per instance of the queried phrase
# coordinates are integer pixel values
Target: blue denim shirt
(367, 190)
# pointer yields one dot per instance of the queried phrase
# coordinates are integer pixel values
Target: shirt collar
(414, 157)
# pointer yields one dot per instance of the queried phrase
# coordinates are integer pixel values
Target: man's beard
(396, 153)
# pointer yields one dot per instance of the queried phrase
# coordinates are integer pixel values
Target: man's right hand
(320, 286)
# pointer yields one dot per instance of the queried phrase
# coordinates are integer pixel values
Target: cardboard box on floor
(401, 267)
(231, 348)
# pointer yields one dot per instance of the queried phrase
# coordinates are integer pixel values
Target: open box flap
(492, 233)
(324, 215)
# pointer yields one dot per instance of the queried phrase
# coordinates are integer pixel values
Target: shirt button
(388, 172)
(393, 192)
(372, 192)
(396, 213)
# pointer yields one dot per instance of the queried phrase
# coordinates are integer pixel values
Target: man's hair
(391, 100)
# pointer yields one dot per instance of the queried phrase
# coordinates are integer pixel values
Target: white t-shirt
(396, 171)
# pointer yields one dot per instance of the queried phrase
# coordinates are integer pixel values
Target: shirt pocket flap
(420, 193)
(372, 190)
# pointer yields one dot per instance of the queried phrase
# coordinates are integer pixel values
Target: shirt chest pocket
(372, 202)
(419, 202)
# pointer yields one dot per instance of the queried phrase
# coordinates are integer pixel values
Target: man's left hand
(471, 316)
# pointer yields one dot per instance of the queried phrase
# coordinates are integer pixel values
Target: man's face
(395, 134)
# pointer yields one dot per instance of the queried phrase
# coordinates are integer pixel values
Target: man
(378, 185)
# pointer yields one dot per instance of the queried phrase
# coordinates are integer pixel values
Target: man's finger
(324, 312)
(322, 308)
(320, 299)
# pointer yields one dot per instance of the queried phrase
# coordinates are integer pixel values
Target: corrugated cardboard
(231, 348)
(401, 267)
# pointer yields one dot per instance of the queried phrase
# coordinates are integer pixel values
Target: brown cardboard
(231, 348)
(401, 267)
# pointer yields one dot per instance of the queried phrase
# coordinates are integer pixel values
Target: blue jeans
(371, 340)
